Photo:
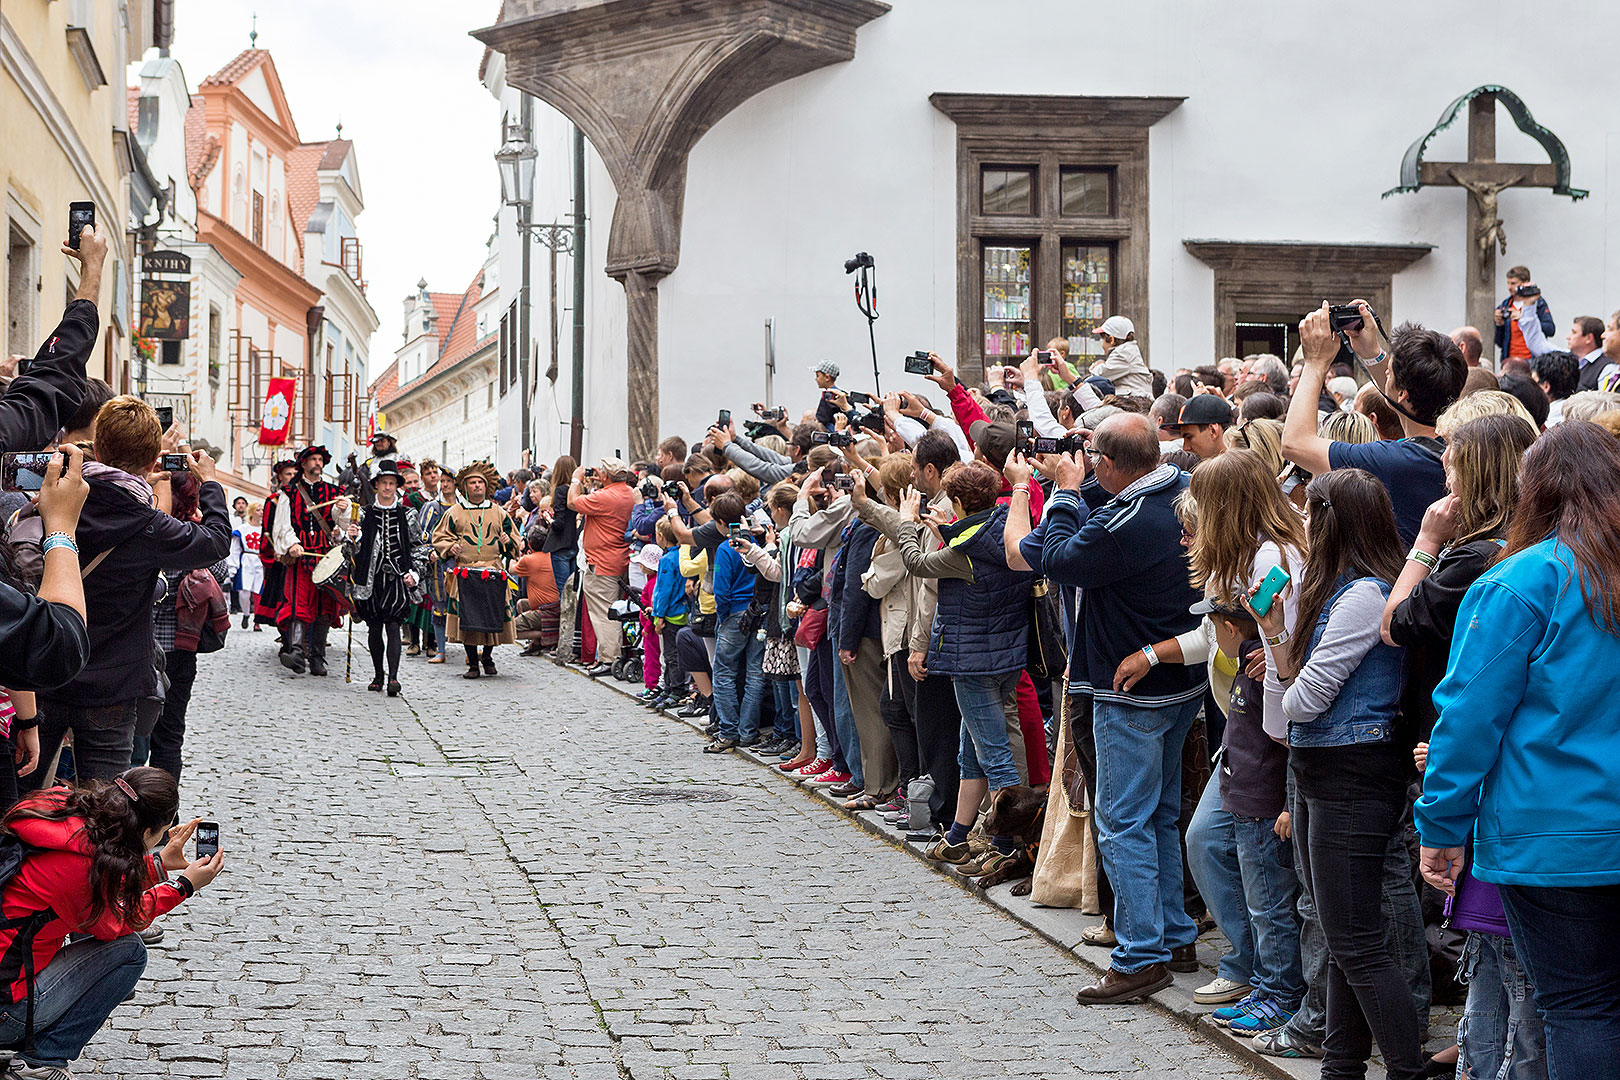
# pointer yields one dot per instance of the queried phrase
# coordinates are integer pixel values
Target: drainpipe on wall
(576, 432)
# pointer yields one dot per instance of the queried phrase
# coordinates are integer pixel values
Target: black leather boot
(317, 649)
(292, 653)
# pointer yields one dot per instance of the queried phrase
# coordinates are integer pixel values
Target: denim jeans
(562, 567)
(786, 693)
(441, 633)
(985, 752)
(849, 739)
(1354, 802)
(73, 996)
(1138, 802)
(738, 654)
(1246, 876)
(1403, 928)
(1501, 1034)
(1567, 943)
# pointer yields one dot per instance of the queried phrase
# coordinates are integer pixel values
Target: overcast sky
(403, 78)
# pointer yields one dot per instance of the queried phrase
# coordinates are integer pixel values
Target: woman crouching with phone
(87, 872)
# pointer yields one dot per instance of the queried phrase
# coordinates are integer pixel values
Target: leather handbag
(812, 628)
(1048, 652)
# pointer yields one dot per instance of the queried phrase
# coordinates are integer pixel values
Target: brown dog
(1019, 812)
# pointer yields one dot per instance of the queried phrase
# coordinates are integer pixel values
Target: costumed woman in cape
(478, 538)
(387, 570)
(273, 571)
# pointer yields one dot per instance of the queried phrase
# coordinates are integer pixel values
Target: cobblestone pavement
(447, 885)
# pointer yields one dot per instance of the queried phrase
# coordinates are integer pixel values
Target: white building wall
(1289, 132)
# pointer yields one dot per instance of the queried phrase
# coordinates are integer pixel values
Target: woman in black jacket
(562, 541)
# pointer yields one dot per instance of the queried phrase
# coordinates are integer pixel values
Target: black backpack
(20, 954)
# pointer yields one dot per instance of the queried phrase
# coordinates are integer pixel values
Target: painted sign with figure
(165, 310)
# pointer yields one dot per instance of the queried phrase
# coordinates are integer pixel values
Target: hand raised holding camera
(61, 497)
(944, 375)
(202, 463)
(174, 852)
(1018, 470)
(1317, 340)
(202, 872)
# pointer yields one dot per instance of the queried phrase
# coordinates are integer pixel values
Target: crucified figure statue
(1491, 231)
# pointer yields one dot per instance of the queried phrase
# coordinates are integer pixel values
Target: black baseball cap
(1206, 409)
(996, 440)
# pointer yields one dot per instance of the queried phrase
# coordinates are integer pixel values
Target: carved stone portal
(644, 79)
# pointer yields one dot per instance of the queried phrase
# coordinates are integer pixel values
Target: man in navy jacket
(1126, 557)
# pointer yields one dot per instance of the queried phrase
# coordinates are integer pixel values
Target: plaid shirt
(164, 619)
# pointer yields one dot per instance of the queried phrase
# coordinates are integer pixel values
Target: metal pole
(525, 217)
(576, 438)
(770, 361)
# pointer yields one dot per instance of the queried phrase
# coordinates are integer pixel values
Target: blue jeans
(1501, 1034)
(1246, 876)
(1138, 804)
(562, 567)
(73, 996)
(985, 753)
(786, 693)
(738, 652)
(849, 740)
(1567, 943)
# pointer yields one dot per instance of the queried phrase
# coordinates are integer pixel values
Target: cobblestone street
(460, 883)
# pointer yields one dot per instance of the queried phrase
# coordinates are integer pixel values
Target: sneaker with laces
(1284, 1044)
(1220, 992)
(1263, 1016)
(942, 850)
(815, 768)
(20, 1071)
(1228, 1013)
(831, 776)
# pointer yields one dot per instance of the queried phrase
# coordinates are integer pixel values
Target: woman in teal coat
(1526, 753)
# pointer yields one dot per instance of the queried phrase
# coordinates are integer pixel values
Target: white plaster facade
(1291, 130)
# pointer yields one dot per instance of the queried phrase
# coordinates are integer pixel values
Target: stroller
(627, 613)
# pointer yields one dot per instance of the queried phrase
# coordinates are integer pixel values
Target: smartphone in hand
(207, 837)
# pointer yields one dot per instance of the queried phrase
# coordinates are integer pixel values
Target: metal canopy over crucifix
(1485, 178)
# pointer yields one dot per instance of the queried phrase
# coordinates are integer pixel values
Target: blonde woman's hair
(1483, 470)
(1581, 406)
(1478, 404)
(1240, 508)
(1609, 421)
(1348, 427)
(772, 442)
(1264, 437)
(1186, 508)
(895, 474)
(744, 484)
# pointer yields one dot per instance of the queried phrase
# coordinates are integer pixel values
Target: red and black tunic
(303, 601)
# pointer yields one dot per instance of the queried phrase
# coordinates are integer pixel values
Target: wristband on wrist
(1152, 657)
(59, 539)
(1024, 487)
(1423, 557)
(1280, 639)
(187, 889)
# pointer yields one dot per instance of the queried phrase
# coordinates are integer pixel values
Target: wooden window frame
(1050, 133)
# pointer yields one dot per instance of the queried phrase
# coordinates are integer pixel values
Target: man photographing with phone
(48, 389)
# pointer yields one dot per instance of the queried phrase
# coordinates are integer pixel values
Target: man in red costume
(308, 514)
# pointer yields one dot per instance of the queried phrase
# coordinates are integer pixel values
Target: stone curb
(1060, 926)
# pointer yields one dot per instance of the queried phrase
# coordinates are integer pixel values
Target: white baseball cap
(1116, 326)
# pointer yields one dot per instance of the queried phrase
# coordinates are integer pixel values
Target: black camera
(844, 482)
(175, 463)
(778, 413)
(918, 363)
(1527, 290)
(860, 397)
(840, 438)
(818, 438)
(649, 488)
(673, 488)
(757, 429)
(861, 261)
(1072, 443)
(724, 419)
(1343, 317)
(872, 421)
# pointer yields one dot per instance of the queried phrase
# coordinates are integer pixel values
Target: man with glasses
(1203, 423)
(1116, 537)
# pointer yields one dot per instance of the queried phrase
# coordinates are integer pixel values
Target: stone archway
(644, 80)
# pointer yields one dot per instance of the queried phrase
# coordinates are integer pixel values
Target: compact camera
(918, 363)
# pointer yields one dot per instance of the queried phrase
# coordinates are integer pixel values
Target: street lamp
(516, 160)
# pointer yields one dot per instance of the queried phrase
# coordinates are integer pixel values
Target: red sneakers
(795, 766)
(815, 768)
(831, 776)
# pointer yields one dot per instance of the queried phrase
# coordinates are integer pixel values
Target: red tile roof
(457, 331)
(244, 62)
(336, 151)
(134, 107)
(303, 186)
(202, 149)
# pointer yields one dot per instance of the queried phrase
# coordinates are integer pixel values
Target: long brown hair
(1569, 487)
(1484, 456)
(1240, 508)
(562, 473)
(116, 827)
(1351, 530)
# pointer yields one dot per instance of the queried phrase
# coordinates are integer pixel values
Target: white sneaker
(1220, 992)
(19, 1071)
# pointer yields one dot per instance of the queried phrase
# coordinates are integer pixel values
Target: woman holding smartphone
(1341, 703)
(90, 876)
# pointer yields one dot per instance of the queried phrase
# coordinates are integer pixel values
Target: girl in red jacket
(91, 874)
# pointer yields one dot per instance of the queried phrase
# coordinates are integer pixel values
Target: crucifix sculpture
(1485, 178)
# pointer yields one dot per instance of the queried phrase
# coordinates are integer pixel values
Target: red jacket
(58, 878)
